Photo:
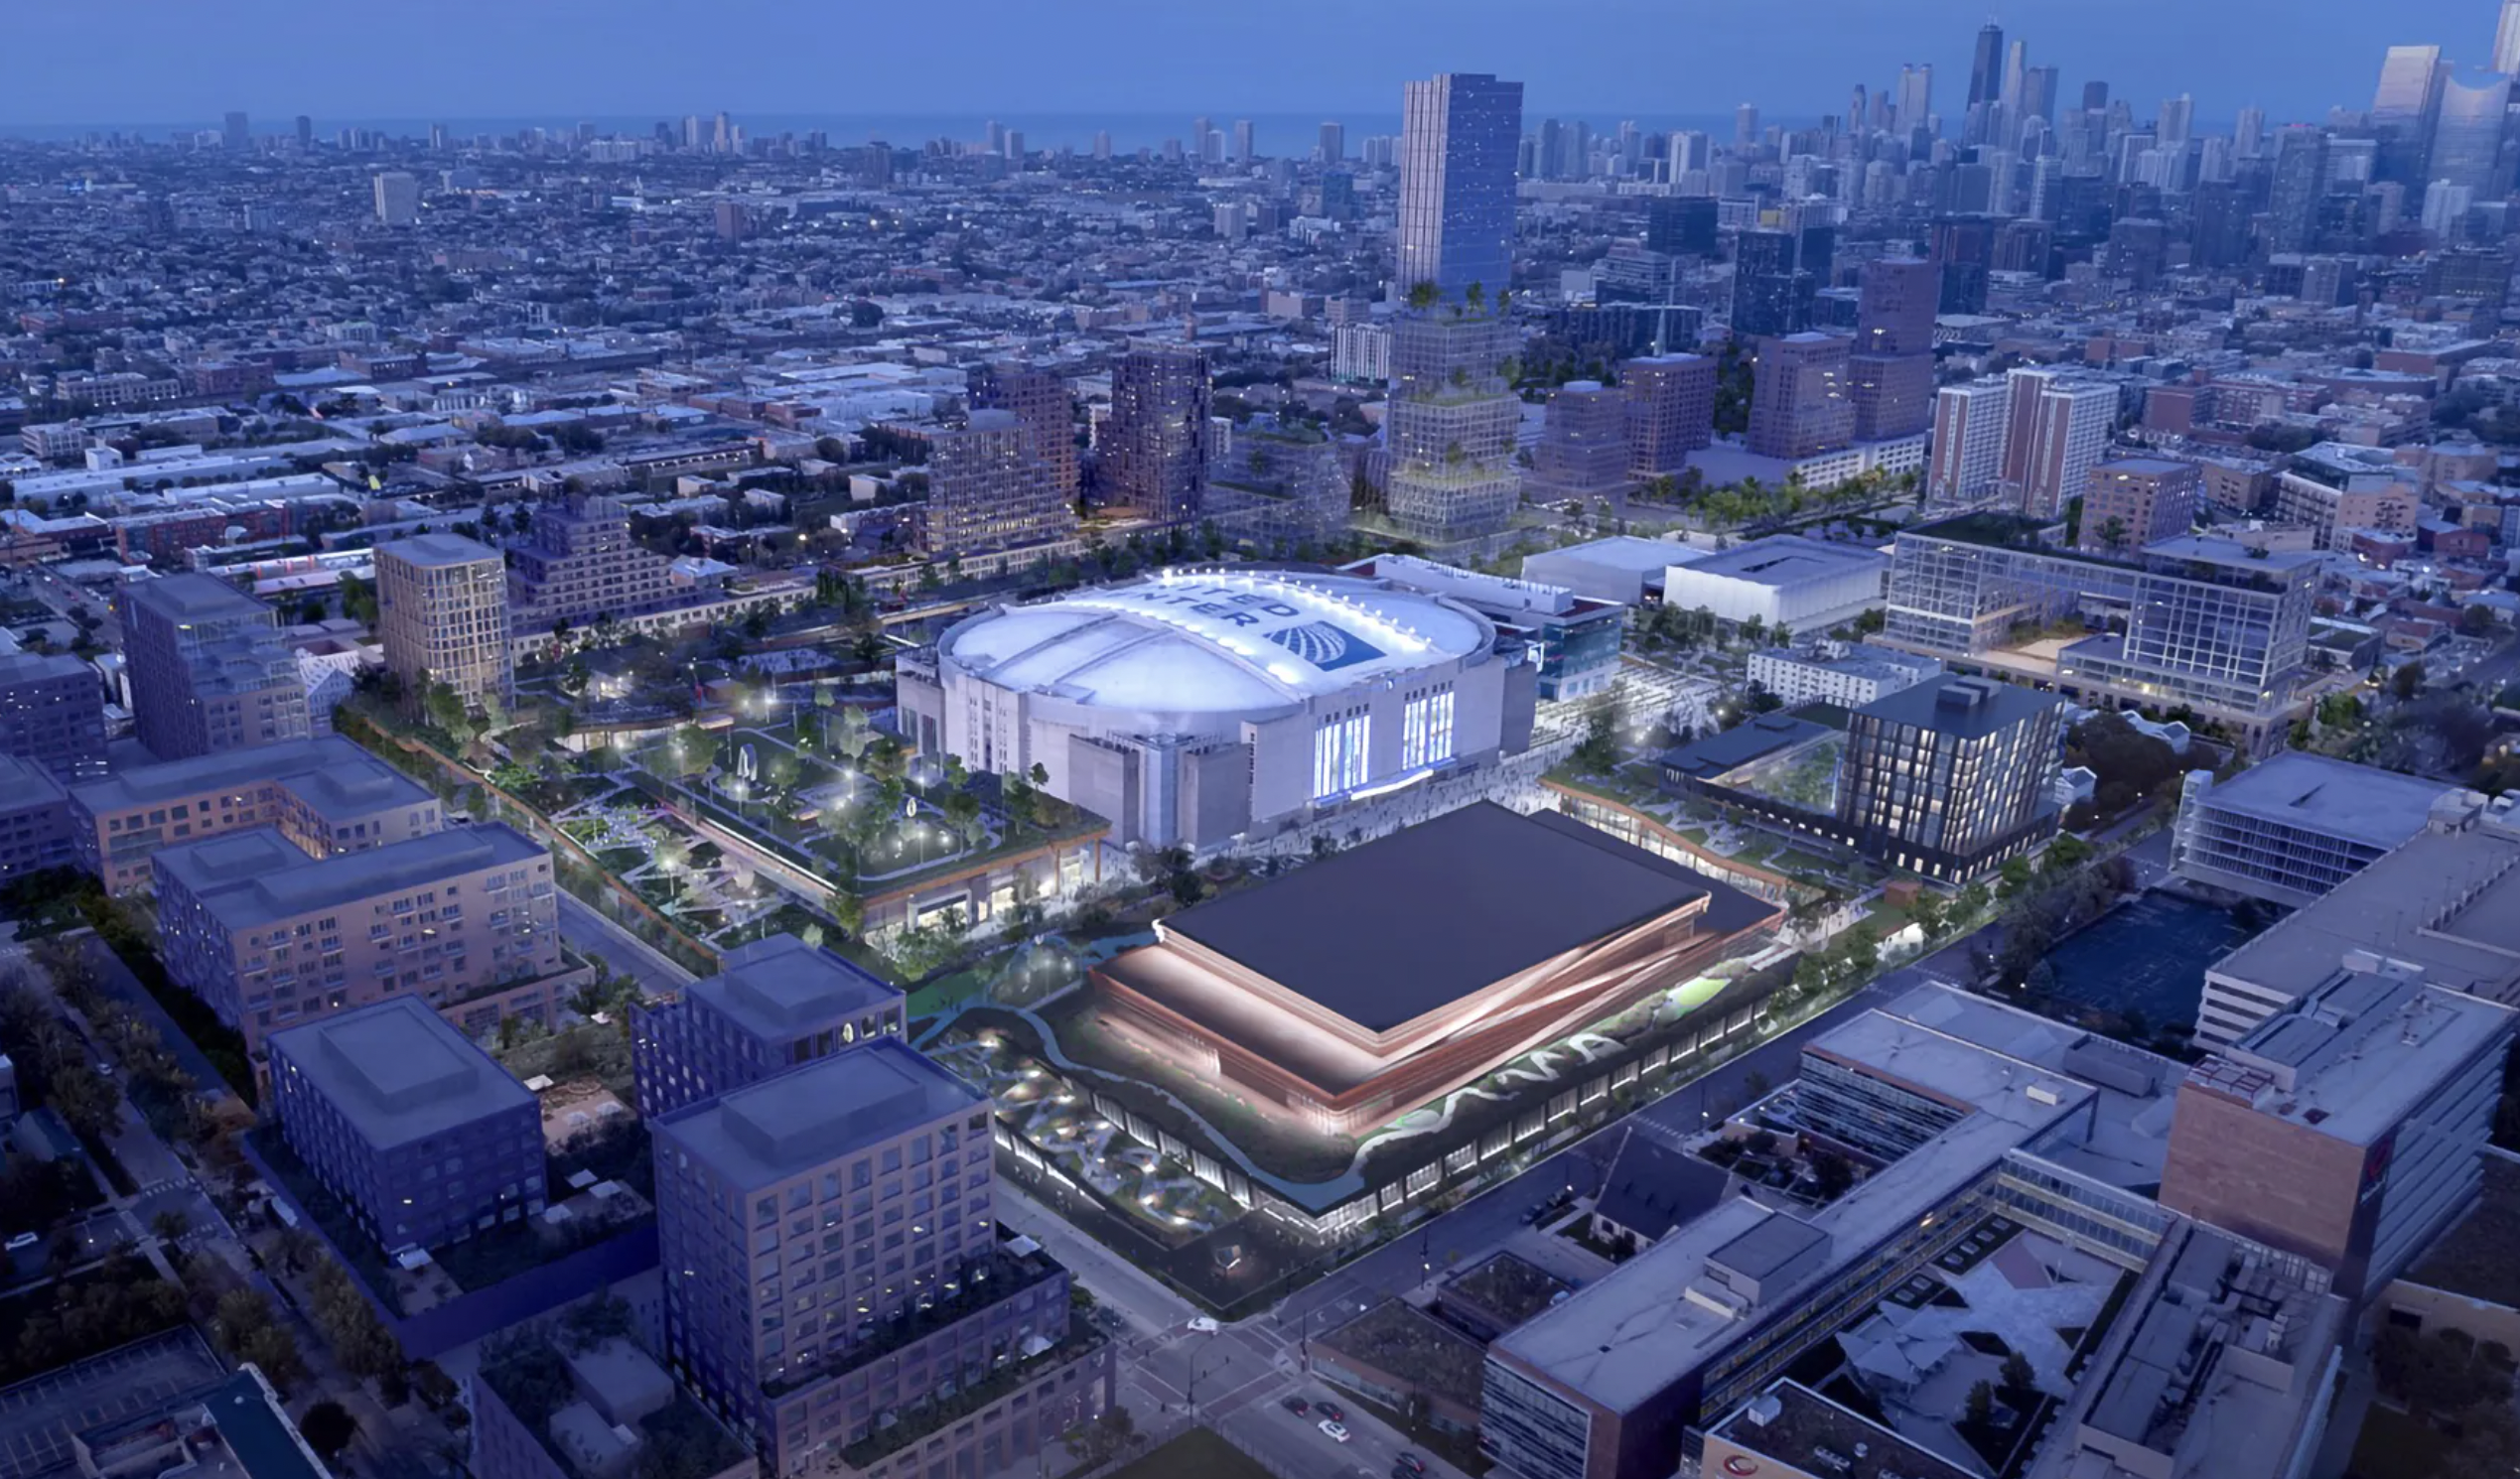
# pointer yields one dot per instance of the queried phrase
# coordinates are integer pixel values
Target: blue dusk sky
(169, 63)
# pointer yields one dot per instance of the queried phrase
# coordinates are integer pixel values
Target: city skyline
(205, 63)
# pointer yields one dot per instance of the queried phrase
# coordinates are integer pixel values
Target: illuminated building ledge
(1365, 986)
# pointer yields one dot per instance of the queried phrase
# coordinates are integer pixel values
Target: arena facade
(1199, 706)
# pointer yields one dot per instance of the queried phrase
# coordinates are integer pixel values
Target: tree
(1980, 1406)
(962, 812)
(2016, 1372)
(1927, 913)
(2066, 852)
(327, 1427)
(170, 1225)
(2407, 681)
(1104, 1438)
(358, 599)
(2113, 534)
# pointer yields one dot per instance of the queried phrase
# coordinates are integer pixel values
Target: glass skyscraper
(2468, 137)
(1459, 138)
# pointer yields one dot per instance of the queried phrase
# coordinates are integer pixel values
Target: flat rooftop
(2378, 808)
(1626, 551)
(1387, 932)
(778, 988)
(832, 1107)
(1782, 560)
(349, 777)
(255, 876)
(1756, 739)
(2445, 902)
(438, 549)
(397, 1071)
(34, 667)
(24, 784)
(1966, 708)
(2353, 1058)
(1633, 1332)
(2145, 466)
(192, 596)
(1794, 1425)
(1512, 1288)
(1396, 1336)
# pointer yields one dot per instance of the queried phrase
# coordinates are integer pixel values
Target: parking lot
(39, 1414)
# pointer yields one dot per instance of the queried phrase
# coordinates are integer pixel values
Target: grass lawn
(2393, 1445)
(1197, 1454)
(1796, 861)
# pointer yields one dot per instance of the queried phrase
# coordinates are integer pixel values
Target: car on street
(1412, 1463)
(1332, 1411)
(1298, 1405)
(1202, 1324)
(1336, 1430)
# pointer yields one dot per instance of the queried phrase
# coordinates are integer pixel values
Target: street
(591, 936)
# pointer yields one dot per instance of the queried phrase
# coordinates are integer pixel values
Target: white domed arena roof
(1214, 642)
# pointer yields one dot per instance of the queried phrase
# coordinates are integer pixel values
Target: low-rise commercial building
(424, 1137)
(1573, 641)
(2295, 825)
(1847, 675)
(270, 937)
(1785, 580)
(1622, 567)
(327, 797)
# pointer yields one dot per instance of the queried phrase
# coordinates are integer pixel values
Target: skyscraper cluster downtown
(1781, 797)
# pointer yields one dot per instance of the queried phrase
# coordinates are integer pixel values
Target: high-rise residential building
(1155, 445)
(1986, 66)
(1281, 484)
(306, 134)
(1362, 351)
(2346, 1128)
(1451, 426)
(1915, 95)
(2176, 122)
(2468, 136)
(1948, 777)
(423, 1136)
(1332, 147)
(208, 671)
(268, 937)
(988, 492)
(1681, 225)
(1670, 411)
(581, 564)
(236, 136)
(1042, 405)
(397, 198)
(2134, 502)
(1891, 369)
(1102, 143)
(774, 1004)
(2404, 109)
(327, 796)
(1583, 449)
(53, 713)
(2506, 58)
(1800, 401)
(2248, 132)
(2300, 180)
(2058, 426)
(1459, 135)
(1746, 125)
(858, 1188)
(442, 616)
(2211, 624)
(1971, 425)
(1770, 293)
(1243, 151)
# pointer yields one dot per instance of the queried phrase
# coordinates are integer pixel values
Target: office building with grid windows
(988, 490)
(1155, 445)
(2293, 827)
(53, 713)
(442, 615)
(834, 1272)
(423, 1136)
(2198, 621)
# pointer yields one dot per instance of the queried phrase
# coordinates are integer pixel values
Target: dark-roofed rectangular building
(1361, 987)
(424, 1137)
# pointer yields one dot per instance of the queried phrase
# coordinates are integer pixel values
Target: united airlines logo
(1325, 647)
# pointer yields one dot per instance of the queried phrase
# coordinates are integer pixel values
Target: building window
(1340, 752)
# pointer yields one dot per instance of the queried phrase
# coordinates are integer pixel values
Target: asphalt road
(591, 936)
